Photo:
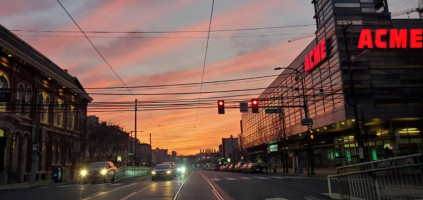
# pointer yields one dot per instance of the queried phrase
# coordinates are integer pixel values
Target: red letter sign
(416, 38)
(398, 39)
(365, 39)
(378, 38)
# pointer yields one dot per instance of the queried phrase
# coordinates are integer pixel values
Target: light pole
(310, 169)
(134, 142)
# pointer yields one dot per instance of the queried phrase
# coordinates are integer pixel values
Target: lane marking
(259, 177)
(278, 198)
(215, 179)
(278, 177)
(245, 178)
(132, 194)
(179, 190)
(101, 193)
(231, 179)
(63, 186)
(216, 193)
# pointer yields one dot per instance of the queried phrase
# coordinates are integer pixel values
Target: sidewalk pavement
(318, 172)
(29, 185)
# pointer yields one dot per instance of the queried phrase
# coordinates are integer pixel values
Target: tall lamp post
(310, 169)
(134, 142)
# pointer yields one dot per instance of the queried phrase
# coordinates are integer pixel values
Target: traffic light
(311, 136)
(254, 105)
(221, 107)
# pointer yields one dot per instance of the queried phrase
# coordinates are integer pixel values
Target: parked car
(231, 168)
(244, 167)
(162, 171)
(223, 168)
(99, 171)
(238, 166)
(254, 168)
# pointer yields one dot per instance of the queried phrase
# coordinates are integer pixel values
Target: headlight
(179, 169)
(182, 169)
(83, 172)
(153, 172)
(103, 172)
(168, 172)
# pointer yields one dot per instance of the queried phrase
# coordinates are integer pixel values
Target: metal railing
(130, 171)
(394, 178)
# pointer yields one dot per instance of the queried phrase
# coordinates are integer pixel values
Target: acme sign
(317, 55)
(391, 38)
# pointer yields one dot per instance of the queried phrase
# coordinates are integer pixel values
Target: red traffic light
(221, 107)
(254, 105)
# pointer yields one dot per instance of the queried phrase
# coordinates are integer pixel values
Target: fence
(131, 171)
(394, 178)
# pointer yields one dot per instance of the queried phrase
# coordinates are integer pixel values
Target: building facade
(360, 81)
(42, 114)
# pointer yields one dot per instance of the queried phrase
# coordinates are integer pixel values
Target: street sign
(5, 95)
(306, 121)
(243, 107)
(130, 153)
(273, 111)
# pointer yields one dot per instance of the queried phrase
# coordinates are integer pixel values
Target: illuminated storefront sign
(391, 38)
(316, 56)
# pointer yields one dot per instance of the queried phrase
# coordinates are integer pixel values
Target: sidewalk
(318, 172)
(29, 185)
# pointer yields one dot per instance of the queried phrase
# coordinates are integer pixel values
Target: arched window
(61, 114)
(46, 107)
(19, 98)
(4, 84)
(56, 113)
(28, 96)
(40, 103)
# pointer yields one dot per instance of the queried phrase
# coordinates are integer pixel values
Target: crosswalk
(217, 178)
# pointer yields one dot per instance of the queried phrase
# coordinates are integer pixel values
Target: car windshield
(162, 167)
(98, 165)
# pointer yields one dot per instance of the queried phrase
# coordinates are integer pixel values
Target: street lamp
(300, 75)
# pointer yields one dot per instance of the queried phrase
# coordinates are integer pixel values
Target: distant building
(230, 149)
(159, 155)
(42, 108)
(143, 154)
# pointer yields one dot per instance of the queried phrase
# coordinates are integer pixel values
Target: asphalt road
(197, 185)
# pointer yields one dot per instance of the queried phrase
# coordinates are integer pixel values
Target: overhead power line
(92, 44)
(167, 31)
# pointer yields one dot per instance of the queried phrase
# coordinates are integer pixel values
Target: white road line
(132, 194)
(278, 177)
(215, 179)
(43, 187)
(245, 178)
(297, 177)
(179, 190)
(278, 198)
(216, 193)
(259, 177)
(63, 186)
(231, 179)
(127, 197)
(101, 193)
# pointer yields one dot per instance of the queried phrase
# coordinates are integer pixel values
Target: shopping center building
(360, 81)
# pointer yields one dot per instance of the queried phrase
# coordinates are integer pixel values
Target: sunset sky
(163, 42)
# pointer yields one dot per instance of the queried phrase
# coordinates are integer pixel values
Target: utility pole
(36, 137)
(135, 139)
(149, 153)
(285, 148)
(354, 98)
